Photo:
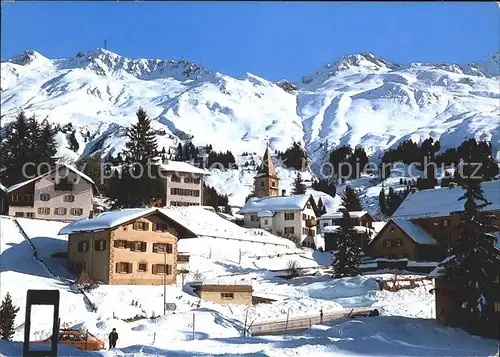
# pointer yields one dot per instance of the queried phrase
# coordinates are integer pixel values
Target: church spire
(266, 167)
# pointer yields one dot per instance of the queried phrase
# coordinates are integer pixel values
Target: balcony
(311, 222)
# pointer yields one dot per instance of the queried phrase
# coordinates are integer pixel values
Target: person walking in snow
(113, 337)
(321, 315)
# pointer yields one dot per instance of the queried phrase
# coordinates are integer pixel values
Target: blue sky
(272, 40)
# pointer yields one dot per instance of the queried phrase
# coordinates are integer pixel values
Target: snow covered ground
(405, 329)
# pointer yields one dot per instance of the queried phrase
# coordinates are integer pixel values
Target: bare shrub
(85, 281)
(198, 276)
(293, 268)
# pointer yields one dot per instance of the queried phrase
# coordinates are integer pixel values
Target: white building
(283, 216)
(64, 194)
(183, 183)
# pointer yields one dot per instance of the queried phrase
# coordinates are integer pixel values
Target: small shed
(225, 293)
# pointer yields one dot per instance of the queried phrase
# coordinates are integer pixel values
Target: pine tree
(141, 146)
(298, 187)
(350, 200)
(92, 167)
(8, 312)
(15, 151)
(320, 208)
(347, 250)
(46, 145)
(326, 186)
(474, 260)
(382, 202)
(73, 143)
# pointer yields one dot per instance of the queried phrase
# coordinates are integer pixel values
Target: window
(82, 246)
(63, 185)
(30, 215)
(77, 211)
(60, 211)
(398, 243)
(445, 223)
(289, 230)
(161, 268)
(308, 205)
(227, 296)
(304, 216)
(497, 306)
(99, 245)
(141, 226)
(266, 221)
(289, 216)
(189, 179)
(142, 267)
(22, 198)
(160, 227)
(162, 248)
(253, 218)
(69, 198)
(391, 230)
(19, 214)
(43, 210)
(387, 243)
(120, 244)
(176, 178)
(44, 197)
(123, 268)
(137, 246)
(184, 192)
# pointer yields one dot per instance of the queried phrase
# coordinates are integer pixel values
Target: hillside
(358, 100)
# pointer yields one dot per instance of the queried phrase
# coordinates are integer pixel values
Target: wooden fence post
(286, 325)
(193, 324)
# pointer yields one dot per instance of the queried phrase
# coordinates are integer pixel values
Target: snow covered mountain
(359, 100)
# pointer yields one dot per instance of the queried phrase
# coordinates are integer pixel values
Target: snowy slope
(405, 324)
(358, 100)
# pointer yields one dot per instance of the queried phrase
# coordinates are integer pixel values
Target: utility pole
(164, 281)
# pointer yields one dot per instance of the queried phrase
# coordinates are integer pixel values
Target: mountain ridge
(360, 99)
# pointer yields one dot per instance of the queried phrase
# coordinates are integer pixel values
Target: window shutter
(154, 270)
(146, 226)
(85, 246)
(135, 225)
(143, 246)
(117, 268)
(79, 247)
(129, 267)
(155, 226)
(155, 248)
(131, 245)
(115, 244)
(103, 245)
(97, 245)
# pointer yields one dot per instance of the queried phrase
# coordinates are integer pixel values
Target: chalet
(225, 293)
(130, 246)
(283, 215)
(358, 218)
(425, 224)
(448, 306)
(64, 194)
(4, 207)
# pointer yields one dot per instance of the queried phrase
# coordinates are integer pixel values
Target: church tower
(265, 183)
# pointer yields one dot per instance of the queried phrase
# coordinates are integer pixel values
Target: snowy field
(405, 328)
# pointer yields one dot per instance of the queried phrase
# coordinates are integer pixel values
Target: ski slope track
(358, 100)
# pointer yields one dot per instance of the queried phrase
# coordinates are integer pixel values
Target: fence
(305, 322)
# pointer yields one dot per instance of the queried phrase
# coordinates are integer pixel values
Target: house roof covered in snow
(275, 204)
(59, 166)
(414, 232)
(333, 229)
(337, 215)
(180, 167)
(112, 219)
(441, 202)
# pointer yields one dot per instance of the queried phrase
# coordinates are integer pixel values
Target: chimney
(283, 192)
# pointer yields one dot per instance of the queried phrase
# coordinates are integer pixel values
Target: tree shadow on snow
(20, 258)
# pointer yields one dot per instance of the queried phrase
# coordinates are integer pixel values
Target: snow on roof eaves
(275, 204)
(336, 215)
(334, 229)
(106, 220)
(69, 167)
(179, 166)
(3, 188)
(415, 232)
(441, 202)
(265, 213)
